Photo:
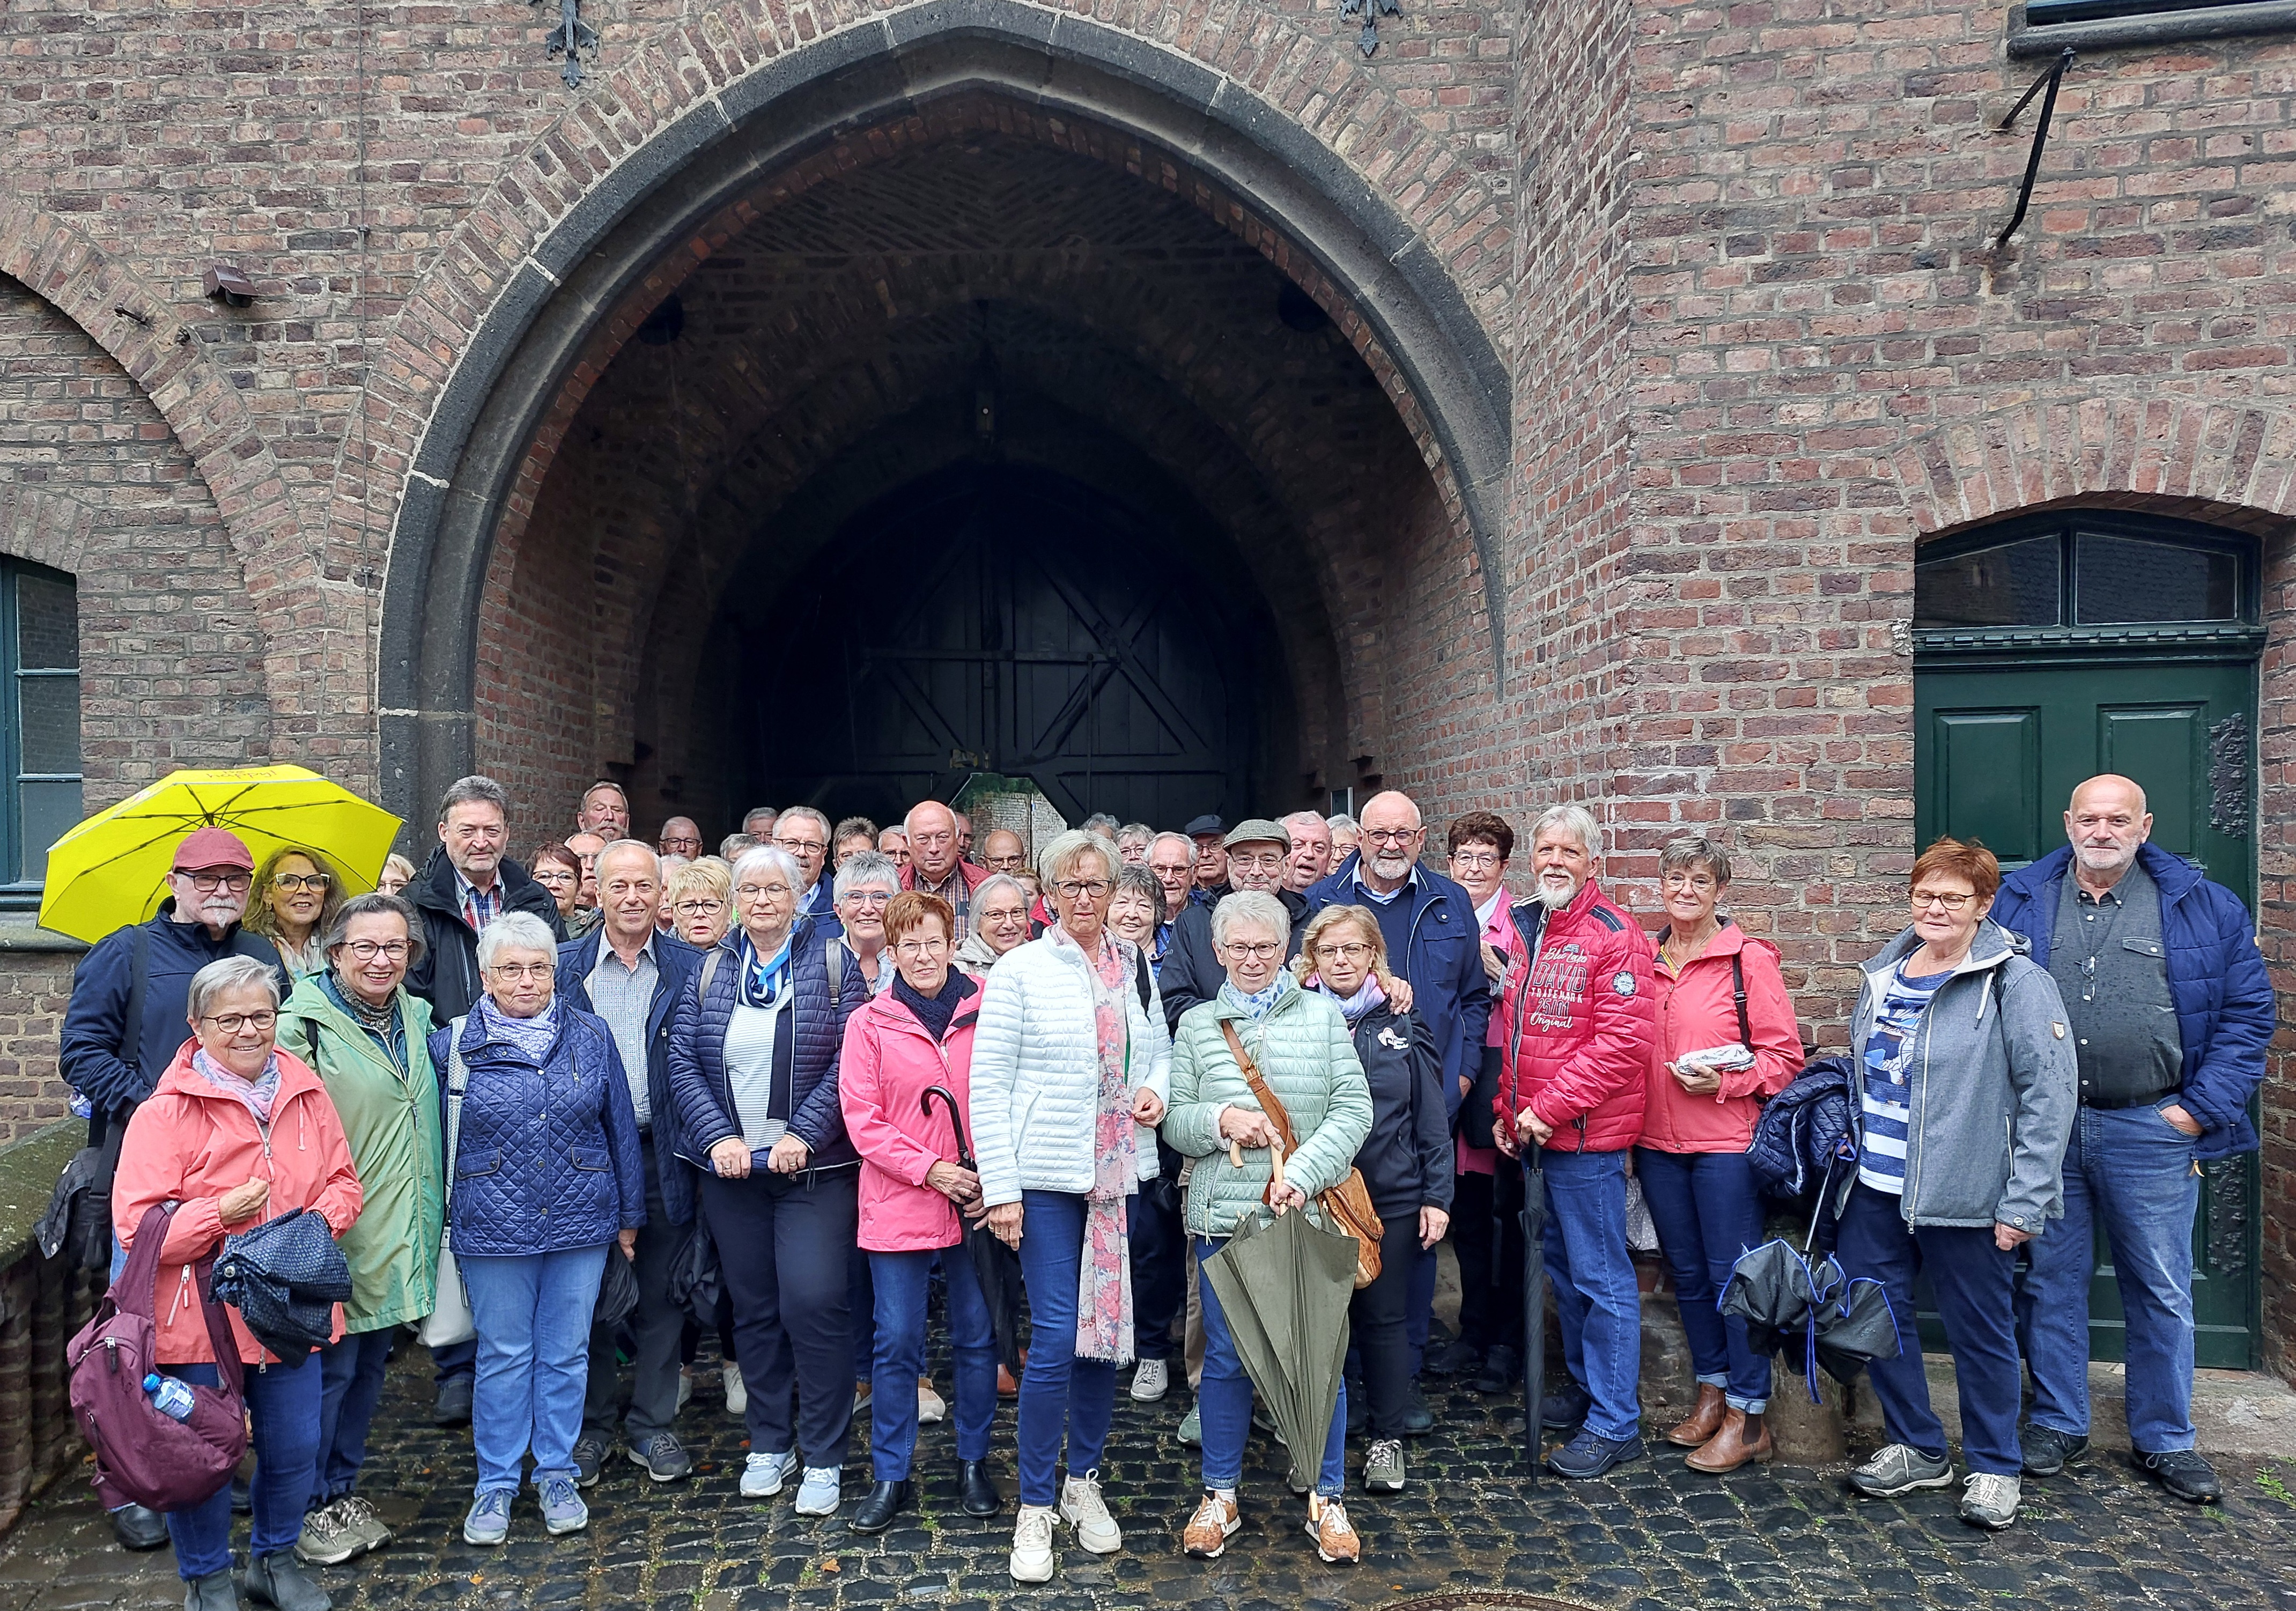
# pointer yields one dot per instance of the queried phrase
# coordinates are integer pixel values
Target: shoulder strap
(139, 971)
(1268, 1105)
(832, 957)
(458, 1081)
(710, 969)
(1738, 999)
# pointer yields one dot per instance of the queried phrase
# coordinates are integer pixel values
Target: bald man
(2171, 1010)
(1003, 852)
(936, 866)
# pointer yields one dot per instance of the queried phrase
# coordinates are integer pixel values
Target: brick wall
(35, 984)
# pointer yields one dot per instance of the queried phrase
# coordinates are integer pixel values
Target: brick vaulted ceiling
(1099, 307)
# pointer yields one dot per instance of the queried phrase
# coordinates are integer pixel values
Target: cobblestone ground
(1651, 1536)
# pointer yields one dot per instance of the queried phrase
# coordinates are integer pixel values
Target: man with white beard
(1577, 1017)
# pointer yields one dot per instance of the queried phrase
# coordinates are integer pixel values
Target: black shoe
(1588, 1456)
(2047, 1451)
(1564, 1407)
(590, 1452)
(1458, 1357)
(977, 1490)
(1502, 1370)
(2183, 1472)
(137, 1528)
(214, 1592)
(242, 1496)
(661, 1457)
(875, 1513)
(452, 1408)
(1418, 1418)
(280, 1580)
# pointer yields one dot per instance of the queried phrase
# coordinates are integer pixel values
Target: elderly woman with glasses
(1962, 1091)
(699, 898)
(1726, 1042)
(753, 1057)
(1305, 1054)
(1068, 1067)
(1000, 921)
(296, 894)
(865, 885)
(238, 1132)
(369, 1041)
(545, 1177)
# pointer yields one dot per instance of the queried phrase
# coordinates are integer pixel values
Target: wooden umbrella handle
(1276, 1177)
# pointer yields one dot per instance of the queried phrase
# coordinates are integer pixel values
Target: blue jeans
(283, 1400)
(533, 1313)
(2132, 1169)
(1595, 1295)
(902, 1281)
(1971, 1279)
(1224, 1399)
(1708, 1212)
(1060, 1394)
(351, 1374)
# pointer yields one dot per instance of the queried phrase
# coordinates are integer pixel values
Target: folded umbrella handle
(1275, 1174)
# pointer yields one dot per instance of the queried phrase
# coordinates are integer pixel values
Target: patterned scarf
(763, 979)
(1254, 1006)
(1105, 1272)
(529, 1037)
(259, 1093)
(1368, 995)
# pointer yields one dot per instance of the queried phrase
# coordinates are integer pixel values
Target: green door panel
(1998, 748)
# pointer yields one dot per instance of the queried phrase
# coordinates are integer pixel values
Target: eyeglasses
(866, 898)
(366, 951)
(1249, 861)
(988, 916)
(300, 880)
(802, 847)
(208, 883)
(916, 951)
(1350, 951)
(1700, 881)
(232, 1023)
(1480, 860)
(680, 847)
(556, 874)
(1083, 889)
(699, 909)
(750, 891)
(1392, 836)
(1256, 949)
(523, 970)
(1924, 899)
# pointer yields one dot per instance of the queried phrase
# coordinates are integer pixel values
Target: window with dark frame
(2087, 568)
(39, 733)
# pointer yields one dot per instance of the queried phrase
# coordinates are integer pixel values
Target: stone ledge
(28, 1169)
(21, 934)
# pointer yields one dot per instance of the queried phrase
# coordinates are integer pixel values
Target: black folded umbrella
(1534, 1311)
(697, 1282)
(996, 1266)
(1794, 1303)
(618, 1289)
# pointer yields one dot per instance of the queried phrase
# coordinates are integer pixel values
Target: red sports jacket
(1578, 1015)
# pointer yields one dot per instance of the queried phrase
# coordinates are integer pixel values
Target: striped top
(1888, 1094)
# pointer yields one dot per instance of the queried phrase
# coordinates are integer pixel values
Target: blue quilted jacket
(697, 1056)
(548, 1159)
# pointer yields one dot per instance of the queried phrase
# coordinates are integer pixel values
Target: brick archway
(536, 313)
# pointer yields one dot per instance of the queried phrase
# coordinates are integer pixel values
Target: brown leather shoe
(1704, 1421)
(1730, 1448)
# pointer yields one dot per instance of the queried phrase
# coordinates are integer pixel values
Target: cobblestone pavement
(1651, 1536)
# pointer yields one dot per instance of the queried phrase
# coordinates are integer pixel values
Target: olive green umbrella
(1283, 1284)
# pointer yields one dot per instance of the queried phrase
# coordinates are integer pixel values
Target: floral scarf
(531, 1037)
(1105, 1272)
(259, 1093)
(1368, 995)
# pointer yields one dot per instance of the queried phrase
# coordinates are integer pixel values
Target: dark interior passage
(1008, 618)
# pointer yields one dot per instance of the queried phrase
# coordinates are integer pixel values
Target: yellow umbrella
(112, 869)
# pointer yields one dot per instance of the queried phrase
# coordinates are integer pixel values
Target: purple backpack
(144, 1457)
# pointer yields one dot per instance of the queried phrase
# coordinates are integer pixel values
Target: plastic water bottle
(81, 1106)
(169, 1396)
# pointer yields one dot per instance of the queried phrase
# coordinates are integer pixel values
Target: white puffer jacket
(1036, 1070)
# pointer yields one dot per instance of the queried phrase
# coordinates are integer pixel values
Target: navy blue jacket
(447, 975)
(697, 1056)
(1191, 972)
(2225, 1005)
(548, 1159)
(1407, 1159)
(106, 1059)
(1444, 968)
(675, 962)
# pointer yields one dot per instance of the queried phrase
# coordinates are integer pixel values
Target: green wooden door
(1998, 748)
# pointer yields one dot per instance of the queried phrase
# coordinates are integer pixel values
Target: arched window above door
(2087, 570)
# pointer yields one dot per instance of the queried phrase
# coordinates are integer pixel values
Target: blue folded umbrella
(285, 1276)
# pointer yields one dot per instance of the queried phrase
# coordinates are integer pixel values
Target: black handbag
(618, 1289)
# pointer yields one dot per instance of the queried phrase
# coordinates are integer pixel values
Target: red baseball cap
(212, 847)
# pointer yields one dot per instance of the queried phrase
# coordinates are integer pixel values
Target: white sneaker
(737, 1396)
(1083, 1509)
(931, 1408)
(1032, 1545)
(1152, 1380)
(823, 1488)
(763, 1475)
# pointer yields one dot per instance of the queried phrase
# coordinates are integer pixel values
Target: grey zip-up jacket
(1995, 1085)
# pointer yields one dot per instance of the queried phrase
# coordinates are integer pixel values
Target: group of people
(832, 1052)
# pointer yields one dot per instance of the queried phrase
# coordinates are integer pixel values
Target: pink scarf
(1104, 1270)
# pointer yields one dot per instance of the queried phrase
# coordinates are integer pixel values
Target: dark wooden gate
(1005, 621)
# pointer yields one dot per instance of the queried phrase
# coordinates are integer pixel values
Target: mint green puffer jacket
(1308, 1058)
